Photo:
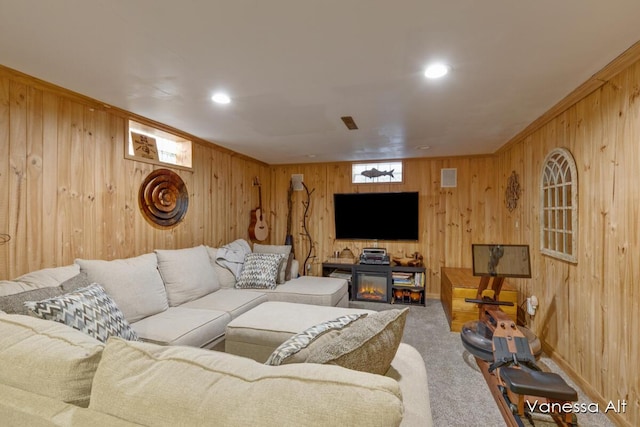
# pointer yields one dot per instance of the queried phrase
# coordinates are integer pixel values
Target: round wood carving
(163, 198)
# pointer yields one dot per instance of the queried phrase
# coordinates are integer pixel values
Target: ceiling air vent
(349, 122)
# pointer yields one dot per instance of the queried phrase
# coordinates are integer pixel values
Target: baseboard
(584, 385)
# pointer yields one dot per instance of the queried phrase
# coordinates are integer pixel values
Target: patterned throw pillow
(299, 341)
(285, 267)
(260, 271)
(369, 345)
(89, 310)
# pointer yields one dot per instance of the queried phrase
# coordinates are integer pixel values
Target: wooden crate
(456, 284)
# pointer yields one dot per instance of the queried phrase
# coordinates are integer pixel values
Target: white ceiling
(294, 67)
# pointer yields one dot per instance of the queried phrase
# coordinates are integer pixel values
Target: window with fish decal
(378, 172)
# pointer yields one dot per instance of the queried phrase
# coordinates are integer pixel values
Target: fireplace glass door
(371, 286)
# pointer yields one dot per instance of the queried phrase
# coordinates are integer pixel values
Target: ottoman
(258, 332)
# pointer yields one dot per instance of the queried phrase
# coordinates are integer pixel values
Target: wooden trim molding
(619, 64)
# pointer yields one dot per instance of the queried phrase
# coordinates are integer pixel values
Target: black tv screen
(376, 216)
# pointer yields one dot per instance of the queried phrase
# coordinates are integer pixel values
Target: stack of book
(408, 279)
(403, 279)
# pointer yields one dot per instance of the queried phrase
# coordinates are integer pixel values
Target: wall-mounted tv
(377, 216)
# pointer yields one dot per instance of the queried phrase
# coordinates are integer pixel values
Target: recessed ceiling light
(437, 70)
(221, 98)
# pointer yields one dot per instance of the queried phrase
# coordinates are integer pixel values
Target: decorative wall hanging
(512, 192)
(305, 227)
(163, 198)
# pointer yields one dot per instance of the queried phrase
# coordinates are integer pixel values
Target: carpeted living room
(226, 186)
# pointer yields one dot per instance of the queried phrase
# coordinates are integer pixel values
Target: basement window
(375, 173)
(151, 145)
(559, 206)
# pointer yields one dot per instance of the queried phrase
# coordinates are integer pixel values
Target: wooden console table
(397, 290)
(456, 284)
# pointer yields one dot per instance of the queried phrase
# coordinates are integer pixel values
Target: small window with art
(151, 145)
(376, 173)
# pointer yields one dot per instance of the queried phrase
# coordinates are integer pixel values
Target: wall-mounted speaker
(448, 177)
(296, 181)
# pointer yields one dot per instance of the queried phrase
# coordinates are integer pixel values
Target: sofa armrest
(409, 370)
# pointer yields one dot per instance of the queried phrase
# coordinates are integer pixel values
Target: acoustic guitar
(258, 228)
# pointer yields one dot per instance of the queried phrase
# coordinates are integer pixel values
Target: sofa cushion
(80, 280)
(260, 271)
(233, 301)
(14, 304)
(258, 332)
(303, 339)
(59, 360)
(314, 290)
(183, 326)
(45, 278)
(187, 274)
(226, 278)
(133, 283)
(369, 344)
(285, 267)
(89, 310)
(19, 408)
(189, 386)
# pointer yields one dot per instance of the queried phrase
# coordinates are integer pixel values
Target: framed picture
(498, 260)
(144, 146)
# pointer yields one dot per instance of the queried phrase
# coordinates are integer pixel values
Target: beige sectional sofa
(178, 301)
(177, 297)
(52, 375)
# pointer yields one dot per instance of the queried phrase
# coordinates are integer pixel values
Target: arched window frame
(559, 206)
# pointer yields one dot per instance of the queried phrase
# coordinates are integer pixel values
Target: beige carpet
(459, 395)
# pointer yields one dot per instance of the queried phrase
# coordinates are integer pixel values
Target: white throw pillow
(187, 274)
(133, 283)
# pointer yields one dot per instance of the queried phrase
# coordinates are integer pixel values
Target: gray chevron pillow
(89, 310)
(260, 271)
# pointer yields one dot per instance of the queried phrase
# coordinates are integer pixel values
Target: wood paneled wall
(450, 218)
(67, 191)
(588, 316)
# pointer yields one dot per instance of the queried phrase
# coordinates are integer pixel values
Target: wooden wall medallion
(163, 198)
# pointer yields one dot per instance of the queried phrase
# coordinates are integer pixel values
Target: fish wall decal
(375, 173)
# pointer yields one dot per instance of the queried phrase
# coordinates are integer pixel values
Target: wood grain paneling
(68, 192)
(450, 218)
(588, 314)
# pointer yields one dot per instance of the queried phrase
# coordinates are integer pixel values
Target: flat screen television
(376, 216)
